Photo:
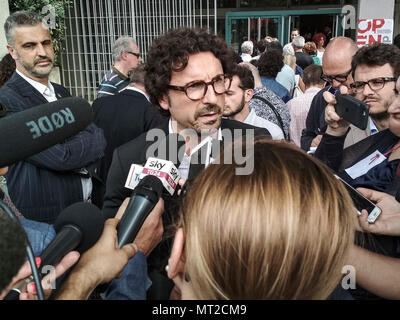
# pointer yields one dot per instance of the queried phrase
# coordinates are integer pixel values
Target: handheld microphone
(143, 199)
(38, 128)
(157, 174)
(171, 148)
(78, 227)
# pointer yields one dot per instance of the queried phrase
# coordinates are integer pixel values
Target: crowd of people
(284, 229)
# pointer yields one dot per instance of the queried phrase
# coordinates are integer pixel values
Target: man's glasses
(196, 90)
(374, 84)
(137, 55)
(339, 78)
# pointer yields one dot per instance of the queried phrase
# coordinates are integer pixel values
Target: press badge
(363, 166)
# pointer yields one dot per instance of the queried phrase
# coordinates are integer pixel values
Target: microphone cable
(29, 252)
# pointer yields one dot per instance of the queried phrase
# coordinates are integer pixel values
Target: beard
(238, 109)
(379, 116)
(197, 124)
(38, 72)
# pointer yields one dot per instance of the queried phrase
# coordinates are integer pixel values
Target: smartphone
(352, 110)
(361, 202)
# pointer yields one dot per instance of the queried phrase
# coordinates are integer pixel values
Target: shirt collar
(372, 127)
(119, 73)
(44, 90)
(138, 90)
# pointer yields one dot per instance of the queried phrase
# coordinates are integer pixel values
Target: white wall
(4, 13)
(374, 9)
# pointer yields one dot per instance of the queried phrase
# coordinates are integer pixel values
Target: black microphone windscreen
(28, 132)
(150, 187)
(87, 218)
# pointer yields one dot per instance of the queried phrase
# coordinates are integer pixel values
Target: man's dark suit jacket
(44, 184)
(134, 152)
(331, 152)
(122, 117)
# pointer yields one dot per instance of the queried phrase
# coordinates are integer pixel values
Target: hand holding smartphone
(360, 202)
(352, 110)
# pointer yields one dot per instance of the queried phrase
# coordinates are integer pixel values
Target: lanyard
(396, 146)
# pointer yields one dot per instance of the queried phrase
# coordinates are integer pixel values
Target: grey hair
(138, 75)
(247, 47)
(122, 44)
(19, 19)
(299, 42)
(288, 50)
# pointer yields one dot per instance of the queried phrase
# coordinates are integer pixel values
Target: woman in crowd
(311, 49)
(320, 40)
(285, 235)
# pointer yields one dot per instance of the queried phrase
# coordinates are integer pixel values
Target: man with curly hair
(186, 78)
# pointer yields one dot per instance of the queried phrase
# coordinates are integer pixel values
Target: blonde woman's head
(282, 232)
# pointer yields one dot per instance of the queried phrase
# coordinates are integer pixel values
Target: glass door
(239, 32)
(251, 28)
(255, 25)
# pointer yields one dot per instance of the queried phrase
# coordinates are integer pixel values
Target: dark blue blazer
(44, 184)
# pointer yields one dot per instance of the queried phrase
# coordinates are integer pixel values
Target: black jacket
(123, 117)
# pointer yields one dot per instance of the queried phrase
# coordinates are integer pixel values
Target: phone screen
(360, 202)
(332, 90)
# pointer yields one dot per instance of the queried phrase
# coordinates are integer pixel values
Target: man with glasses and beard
(186, 78)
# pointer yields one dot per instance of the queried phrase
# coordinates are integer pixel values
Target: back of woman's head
(310, 48)
(281, 232)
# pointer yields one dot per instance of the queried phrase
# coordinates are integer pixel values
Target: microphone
(171, 148)
(38, 128)
(143, 199)
(157, 174)
(78, 227)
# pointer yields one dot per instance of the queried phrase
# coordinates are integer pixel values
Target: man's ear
(164, 102)
(124, 56)
(12, 52)
(248, 95)
(176, 264)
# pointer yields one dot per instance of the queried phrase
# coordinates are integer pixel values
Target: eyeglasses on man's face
(374, 84)
(339, 78)
(137, 55)
(196, 90)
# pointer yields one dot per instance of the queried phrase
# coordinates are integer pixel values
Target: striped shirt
(113, 82)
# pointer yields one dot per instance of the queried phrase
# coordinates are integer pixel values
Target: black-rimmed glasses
(339, 78)
(196, 90)
(374, 84)
(137, 55)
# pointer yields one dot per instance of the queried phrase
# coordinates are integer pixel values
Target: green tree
(54, 13)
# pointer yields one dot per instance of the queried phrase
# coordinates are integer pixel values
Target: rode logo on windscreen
(48, 124)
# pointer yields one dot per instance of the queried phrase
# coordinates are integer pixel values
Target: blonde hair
(290, 60)
(282, 232)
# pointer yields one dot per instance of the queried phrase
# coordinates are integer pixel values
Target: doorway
(255, 25)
